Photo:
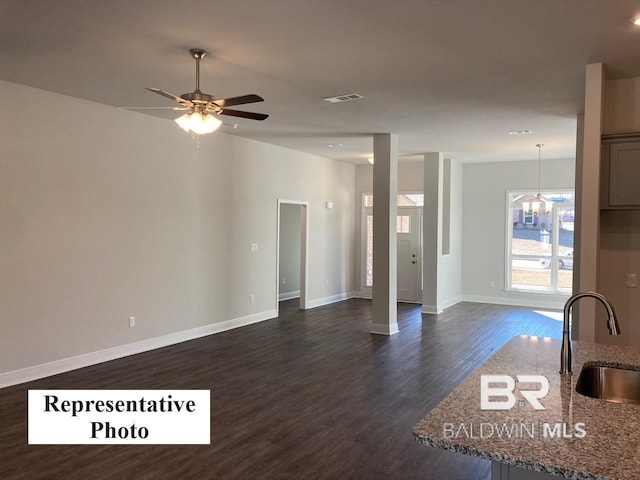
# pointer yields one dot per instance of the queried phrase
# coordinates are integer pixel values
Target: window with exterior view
(540, 241)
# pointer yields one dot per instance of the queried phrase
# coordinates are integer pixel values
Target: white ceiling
(444, 75)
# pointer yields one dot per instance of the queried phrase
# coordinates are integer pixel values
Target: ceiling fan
(202, 108)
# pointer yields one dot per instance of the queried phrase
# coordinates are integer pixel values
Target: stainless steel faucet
(565, 351)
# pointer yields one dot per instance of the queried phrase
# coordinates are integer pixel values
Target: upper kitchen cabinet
(620, 156)
(620, 171)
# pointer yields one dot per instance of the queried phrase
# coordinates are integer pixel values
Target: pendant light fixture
(537, 205)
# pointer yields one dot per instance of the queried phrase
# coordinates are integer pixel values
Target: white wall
(289, 249)
(621, 109)
(484, 225)
(107, 214)
(619, 255)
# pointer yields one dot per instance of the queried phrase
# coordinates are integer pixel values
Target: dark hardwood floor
(308, 395)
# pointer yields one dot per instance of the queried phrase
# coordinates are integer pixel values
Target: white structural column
(385, 255)
(587, 226)
(432, 230)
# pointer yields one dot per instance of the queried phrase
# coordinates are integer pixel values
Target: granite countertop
(609, 448)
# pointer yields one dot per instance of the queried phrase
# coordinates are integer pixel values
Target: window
(369, 253)
(540, 241)
(404, 200)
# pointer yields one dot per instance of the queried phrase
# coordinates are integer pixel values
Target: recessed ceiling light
(636, 21)
(520, 132)
(333, 145)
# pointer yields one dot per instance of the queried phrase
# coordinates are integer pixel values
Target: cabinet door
(624, 174)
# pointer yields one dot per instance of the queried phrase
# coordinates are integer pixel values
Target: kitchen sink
(613, 384)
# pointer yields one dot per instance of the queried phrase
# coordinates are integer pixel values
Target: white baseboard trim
(289, 295)
(432, 309)
(86, 359)
(441, 307)
(319, 302)
(551, 303)
(384, 329)
(451, 302)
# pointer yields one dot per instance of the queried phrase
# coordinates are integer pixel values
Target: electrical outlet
(132, 322)
(252, 298)
(492, 284)
(284, 281)
(632, 280)
(253, 247)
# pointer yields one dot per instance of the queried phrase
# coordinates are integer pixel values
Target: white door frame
(418, 258)
(366, 292)
(304, 252)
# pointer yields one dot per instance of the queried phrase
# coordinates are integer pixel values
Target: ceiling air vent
(343, 98)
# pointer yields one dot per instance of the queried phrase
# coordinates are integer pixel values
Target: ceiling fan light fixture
(197, 122)
(183, 121)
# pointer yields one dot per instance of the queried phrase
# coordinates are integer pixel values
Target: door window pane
(403, 224)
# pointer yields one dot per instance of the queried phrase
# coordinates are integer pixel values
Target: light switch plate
(254, 247)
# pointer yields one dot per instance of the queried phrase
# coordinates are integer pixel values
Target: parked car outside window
(564, 261)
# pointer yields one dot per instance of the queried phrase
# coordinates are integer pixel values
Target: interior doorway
(292, 252)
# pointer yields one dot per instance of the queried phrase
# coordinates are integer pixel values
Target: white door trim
(365, 291)
(304, 252)
(416, 212)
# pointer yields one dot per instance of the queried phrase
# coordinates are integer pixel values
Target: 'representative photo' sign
(105, 417)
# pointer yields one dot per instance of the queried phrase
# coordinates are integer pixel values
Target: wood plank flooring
(308, 395)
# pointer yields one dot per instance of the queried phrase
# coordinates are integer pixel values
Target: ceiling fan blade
(185, 107)
(230, 102)
(238, 113)
(182, 101)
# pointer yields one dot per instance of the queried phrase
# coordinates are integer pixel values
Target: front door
(408, 253)
(409, 231)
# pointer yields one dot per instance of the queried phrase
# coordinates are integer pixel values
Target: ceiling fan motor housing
(197, 97)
